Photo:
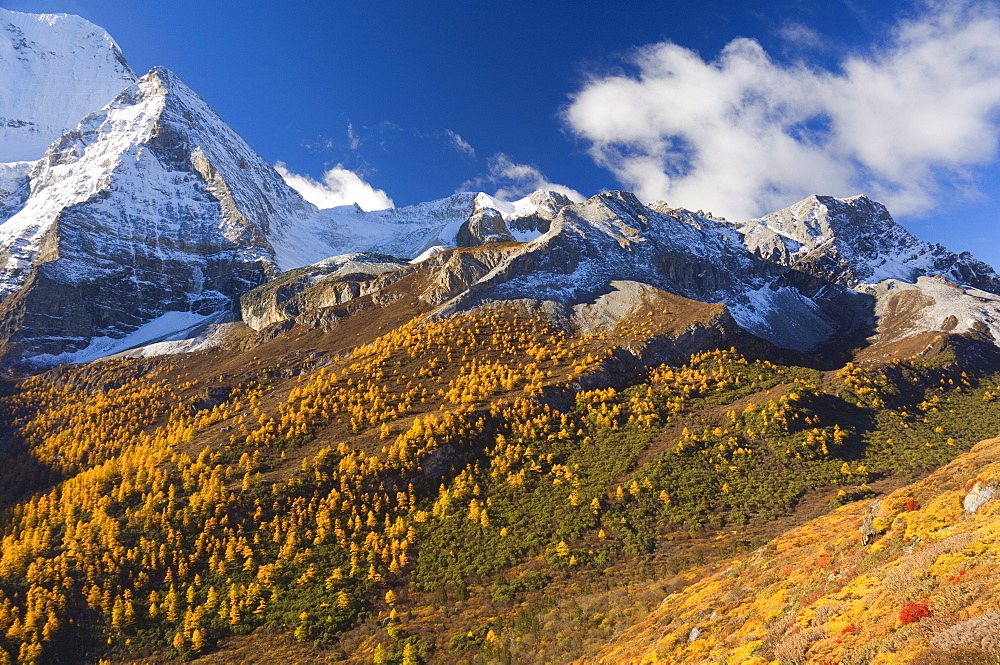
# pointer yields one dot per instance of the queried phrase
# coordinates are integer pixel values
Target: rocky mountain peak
(486, 225)
(152, 205)
(547, 201)
(818, 219)
(854, 241)
(616, 200)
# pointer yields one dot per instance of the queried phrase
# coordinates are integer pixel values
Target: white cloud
(743, 134)
(460, 144)
(515, 181)
(339, 187)
(353, 140)
(801, 35)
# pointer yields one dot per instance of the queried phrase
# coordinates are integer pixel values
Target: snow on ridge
(76, 169)
(860, 235)
(410, 231)
(148, 199)
(428, 253)
(945, 307)
(415, 232)
(62, 67)
(160, 206)
(782, 315)
(532, 204)
(155, 169)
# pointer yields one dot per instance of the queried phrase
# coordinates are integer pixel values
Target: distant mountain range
(134, 215)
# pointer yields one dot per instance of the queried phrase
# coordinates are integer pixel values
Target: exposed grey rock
(600, 260)
(613, 237)
(152, 206)
(482, 227)
(978, 496)
(325, 284)
(548, 206)
(904, 309)
(313, 294)
(868, 531)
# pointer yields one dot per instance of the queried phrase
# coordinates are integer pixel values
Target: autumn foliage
(913, 612)
(156, 509)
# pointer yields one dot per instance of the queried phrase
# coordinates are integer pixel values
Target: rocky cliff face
(483, 226)
(576, 269)
(613, 237)
(325, 284)
(487, 230)
(309, 294)
(798, 278)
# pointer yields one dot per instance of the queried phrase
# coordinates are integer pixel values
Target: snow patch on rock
(784, 316)
(169, 326)
(940, 306)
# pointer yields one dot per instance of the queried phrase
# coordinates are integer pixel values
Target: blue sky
(737, 108)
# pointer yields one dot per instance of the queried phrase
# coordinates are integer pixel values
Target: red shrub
(912, 505)
(955, 579)
(913, 612)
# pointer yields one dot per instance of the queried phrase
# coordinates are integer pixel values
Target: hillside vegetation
(477, 489)
(924, 592)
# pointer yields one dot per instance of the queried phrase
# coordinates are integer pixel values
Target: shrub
(913, 612)
(960, 656)
(530, 581)
(982, 632)
(792, 650)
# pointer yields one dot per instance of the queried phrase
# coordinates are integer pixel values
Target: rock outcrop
(483, 226)
(325, 284)
(794, 279)
(613, 237)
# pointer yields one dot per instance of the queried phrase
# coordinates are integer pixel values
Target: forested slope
(482, 488)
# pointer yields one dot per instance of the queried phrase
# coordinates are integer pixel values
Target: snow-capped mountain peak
(62, 67)
(151, 204)
(853, 241)
(133, 209)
